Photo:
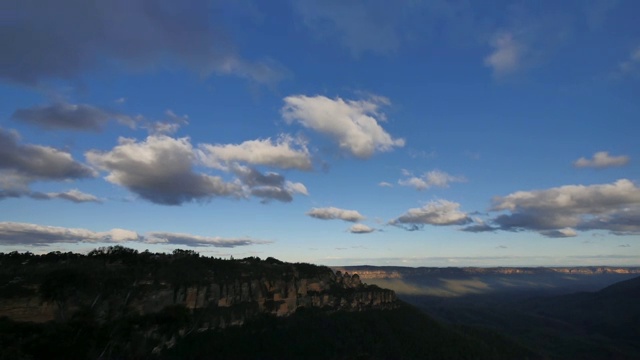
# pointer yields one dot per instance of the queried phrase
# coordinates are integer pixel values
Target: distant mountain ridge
(395, 272)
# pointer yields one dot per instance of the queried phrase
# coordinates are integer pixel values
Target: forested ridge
(99, 309)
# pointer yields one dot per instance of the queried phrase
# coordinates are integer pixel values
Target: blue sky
(418, 133)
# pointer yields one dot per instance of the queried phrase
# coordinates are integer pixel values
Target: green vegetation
(402, 333)
(99, 298)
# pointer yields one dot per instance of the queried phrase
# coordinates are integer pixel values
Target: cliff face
(226, 300)
(221, 304)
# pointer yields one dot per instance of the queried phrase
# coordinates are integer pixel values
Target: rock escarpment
(217, 293)
(232, 302)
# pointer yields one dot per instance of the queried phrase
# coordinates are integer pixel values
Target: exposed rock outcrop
(220, 299)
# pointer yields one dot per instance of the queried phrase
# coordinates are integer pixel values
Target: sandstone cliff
(217, 293)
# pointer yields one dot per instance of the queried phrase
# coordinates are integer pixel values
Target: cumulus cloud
(12, 233)
(602, 159)
(160, 169)
(333, 213)
(435, 178)
(507, 54)
(361, 229)
(21, 164)
(285, 152)
(614, 207)
(353, 124)
(268, 186)
(198, 241)
(440, 212)
(63, 116)
(44, 41)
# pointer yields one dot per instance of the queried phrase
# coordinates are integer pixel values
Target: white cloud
(385, 184)
(440, 212)
(614, 207)
(602, 159)
(73, 195)
(331, 213)
(435, 178)
(507, 55)
(285, 153)
(76, 195)
(361, 229)
(297, 188)
(169, 125)
(160, 170)
(354, 125)
(12, 233)
(120, 235)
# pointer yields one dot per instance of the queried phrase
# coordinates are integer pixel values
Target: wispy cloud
(631, 65)
(602, 159)
(64, 116)
(12, 233)
(507, 55)
(198, 241)
(73, 195)
(434, 178)
(358, 25)
(333, 213)
(71, 39)
(559, 233)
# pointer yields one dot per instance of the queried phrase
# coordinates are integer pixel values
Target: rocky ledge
(216, 292)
